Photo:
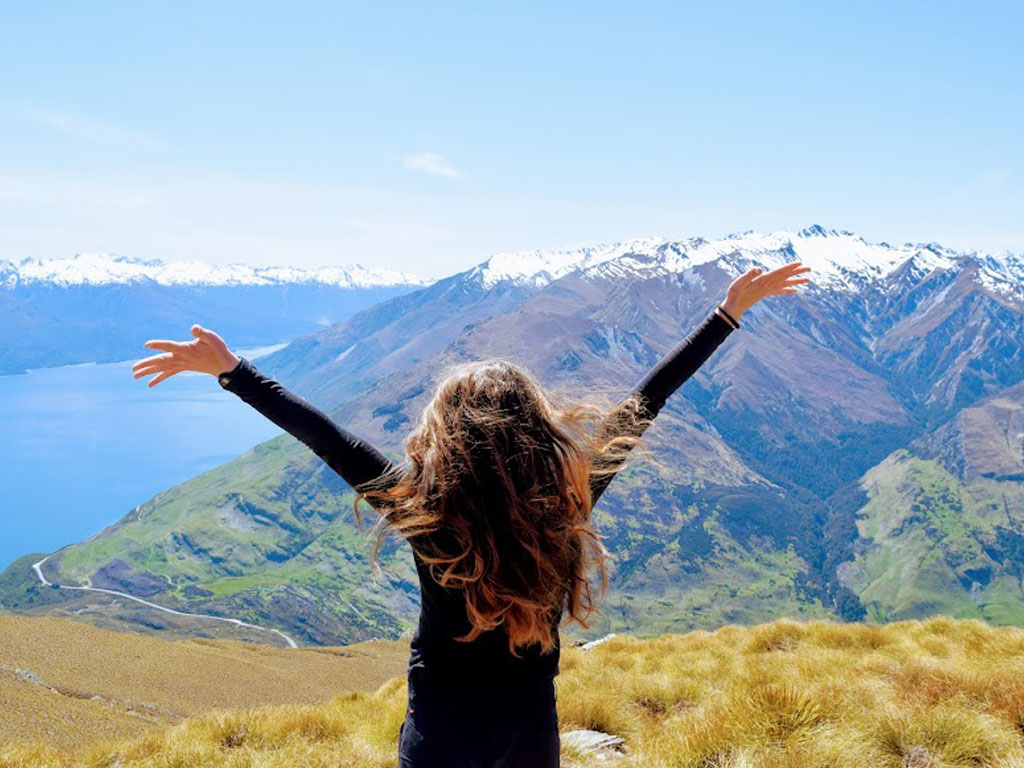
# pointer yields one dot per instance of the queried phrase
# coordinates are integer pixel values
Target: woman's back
(499, 528)
(482, 661)
(488, 551)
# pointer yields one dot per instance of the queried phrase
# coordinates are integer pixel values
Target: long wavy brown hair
(505, 471)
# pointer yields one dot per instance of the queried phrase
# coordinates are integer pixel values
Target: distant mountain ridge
(780, 461)
(107, 269)
(841, 259)
(102, 307)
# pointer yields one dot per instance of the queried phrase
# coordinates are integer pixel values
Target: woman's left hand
(753, 285)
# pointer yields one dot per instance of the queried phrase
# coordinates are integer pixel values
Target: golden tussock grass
(94, 684)
(940, 693)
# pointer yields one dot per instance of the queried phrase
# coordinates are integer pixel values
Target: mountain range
(101, 307)
(854, 451)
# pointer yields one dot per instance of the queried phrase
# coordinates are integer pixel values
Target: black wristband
(224, 379)
(729, 317)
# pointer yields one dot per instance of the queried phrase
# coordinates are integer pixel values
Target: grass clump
(940, 693)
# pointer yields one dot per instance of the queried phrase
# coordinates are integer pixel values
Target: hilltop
(934, 694)
(67, 684)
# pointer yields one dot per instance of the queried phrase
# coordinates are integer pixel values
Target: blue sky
(427, 136)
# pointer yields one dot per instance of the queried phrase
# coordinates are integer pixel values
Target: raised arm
(667, 375)
(351, 457)
(683, 360)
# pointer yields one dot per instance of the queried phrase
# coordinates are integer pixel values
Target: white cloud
(96, 131)
(432, 163)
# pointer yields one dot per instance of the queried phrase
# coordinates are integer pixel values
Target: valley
(888, 391)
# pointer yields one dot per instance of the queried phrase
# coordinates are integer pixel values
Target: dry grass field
(67, 684)
(932, 694)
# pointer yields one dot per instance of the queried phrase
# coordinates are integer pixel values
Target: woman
(494, 498)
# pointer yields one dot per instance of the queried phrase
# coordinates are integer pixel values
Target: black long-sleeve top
(442, 609)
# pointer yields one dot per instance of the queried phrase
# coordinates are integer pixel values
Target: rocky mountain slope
(782, 466)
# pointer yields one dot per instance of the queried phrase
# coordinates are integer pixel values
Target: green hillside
(267, 538)
(850, 454)
(941, 531)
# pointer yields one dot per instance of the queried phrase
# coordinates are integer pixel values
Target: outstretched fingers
(783, 280)
(206, 335)
(777, 275)
(148, 371)
(152, 360)
(203, 353)
(159, 366)
(161, 376)
(787, 271)
(750, 275)
(790, 286)
(165, 345)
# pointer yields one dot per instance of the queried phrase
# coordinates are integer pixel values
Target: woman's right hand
(206, 353)
(752, 286)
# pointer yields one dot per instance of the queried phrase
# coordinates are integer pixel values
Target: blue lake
(81, 445)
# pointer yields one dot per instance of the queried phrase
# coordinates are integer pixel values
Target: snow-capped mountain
(841, 260)
(101, 307)
(62, 310)
(538, 268)
(110, 269)
(853, 450)
(869, 297)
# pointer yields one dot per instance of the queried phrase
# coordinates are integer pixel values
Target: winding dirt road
(38, 568)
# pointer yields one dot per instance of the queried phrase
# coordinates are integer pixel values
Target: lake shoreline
(84, 443)
(253, 353)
